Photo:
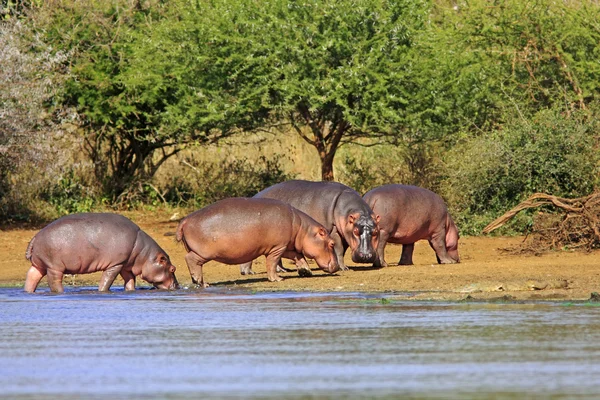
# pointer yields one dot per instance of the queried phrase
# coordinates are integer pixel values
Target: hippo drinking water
(340, 209)
(238, 230)
(87, 243)
(409, 214)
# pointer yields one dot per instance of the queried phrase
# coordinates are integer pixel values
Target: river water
(223, 344)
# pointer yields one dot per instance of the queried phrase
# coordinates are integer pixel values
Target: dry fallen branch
(577, 227)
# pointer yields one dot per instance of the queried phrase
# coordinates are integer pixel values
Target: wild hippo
(409, 214)
(90, 242)
(340, 209)
(238, 230)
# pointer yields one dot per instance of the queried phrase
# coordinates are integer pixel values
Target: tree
(29, 78)
(335, 70)
(135, 113)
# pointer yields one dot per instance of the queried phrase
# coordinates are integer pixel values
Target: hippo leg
(195, 263)
(380, 260)
(129, 279)
(438, 244)
(407, 253)
(273, 259)
(55, 281)
(303, 269)
(281, 268)
(246, 269)
(34, 276)
(108, 277)
(338, 247)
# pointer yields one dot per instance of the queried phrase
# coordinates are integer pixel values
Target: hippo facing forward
(409, 214)
(238, 230)
(87, 243)
(340, 209)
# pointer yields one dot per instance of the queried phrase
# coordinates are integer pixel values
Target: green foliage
(551, 153)
(70, 195)
(534, 54)
(336, 70)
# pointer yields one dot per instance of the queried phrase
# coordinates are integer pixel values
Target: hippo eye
(330, 245)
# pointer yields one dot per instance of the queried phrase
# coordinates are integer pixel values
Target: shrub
(552, 153)
(205, 182)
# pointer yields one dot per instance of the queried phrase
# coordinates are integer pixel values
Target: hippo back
(317, 199)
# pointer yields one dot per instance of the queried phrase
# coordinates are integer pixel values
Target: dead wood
(576, 225)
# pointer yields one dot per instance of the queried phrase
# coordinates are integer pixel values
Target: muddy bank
(485, 271)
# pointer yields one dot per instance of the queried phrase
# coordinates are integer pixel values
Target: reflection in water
(192, 344)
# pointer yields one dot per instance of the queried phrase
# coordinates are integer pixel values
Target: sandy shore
(485, 271)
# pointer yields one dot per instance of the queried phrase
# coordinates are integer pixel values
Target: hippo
(409, 214)
(340, 209)
(238, 230)
(90, 242)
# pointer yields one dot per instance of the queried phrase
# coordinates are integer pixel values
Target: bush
(409, 164)
(552, 153)
(203, 182)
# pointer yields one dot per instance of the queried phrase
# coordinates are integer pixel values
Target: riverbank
(486, 271)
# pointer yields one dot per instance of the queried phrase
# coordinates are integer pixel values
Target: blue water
(218, 343)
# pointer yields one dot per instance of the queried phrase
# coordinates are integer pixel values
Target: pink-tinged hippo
(409, 214)
(238, 230)
(340, 209)
(90, 242)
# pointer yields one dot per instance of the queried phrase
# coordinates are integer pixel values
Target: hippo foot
(304, 272)
(275, 279)
(203, 285)
(249, 272)
(344, 268)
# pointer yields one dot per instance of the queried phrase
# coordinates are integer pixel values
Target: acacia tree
(335, 70)
(135, 111)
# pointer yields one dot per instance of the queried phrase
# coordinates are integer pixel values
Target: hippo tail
(179, 233)
(29, 249)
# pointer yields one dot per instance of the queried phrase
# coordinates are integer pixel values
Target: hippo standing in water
(409, 214)
(87, 243)
(238, 230)
(340, 209)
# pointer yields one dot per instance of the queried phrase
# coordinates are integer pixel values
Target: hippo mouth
(332, 267)
(365, 258)
(173, 286)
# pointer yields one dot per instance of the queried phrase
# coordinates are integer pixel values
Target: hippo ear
(322, 232)
(172, 269)
(351, 219)
(377, 219)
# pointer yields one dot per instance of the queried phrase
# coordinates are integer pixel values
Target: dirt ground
(485, 271)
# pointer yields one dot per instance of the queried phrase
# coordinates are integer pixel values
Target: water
(227, 344)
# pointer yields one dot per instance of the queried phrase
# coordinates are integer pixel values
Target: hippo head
(159, 271)
(318, 245)
(362, 235)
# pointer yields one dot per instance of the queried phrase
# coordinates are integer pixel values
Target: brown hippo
(409, 214)
(238, 230)
(340, 209)
(89, 242)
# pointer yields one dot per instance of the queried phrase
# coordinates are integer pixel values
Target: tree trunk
(327, 169)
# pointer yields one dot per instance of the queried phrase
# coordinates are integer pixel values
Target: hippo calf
(238, 230)
(340, 209)
(409, 214)
(90, 242)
